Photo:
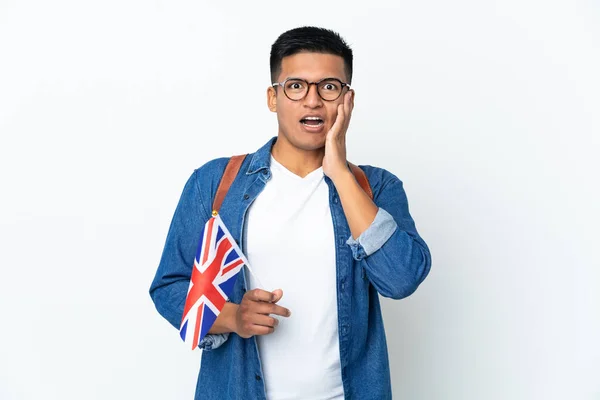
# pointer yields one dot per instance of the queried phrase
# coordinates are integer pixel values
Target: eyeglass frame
(282, 85)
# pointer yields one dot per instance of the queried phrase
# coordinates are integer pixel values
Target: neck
(299, 161)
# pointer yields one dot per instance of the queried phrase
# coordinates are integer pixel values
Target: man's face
(293, 127)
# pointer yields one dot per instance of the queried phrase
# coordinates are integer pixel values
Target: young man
(310, 232)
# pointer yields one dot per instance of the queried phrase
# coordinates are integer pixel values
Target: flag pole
(258, 282)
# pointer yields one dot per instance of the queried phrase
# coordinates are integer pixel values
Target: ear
(272, 98)
(353, 94)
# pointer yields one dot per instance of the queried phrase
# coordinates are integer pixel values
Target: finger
(278, 294)
(258, 330)
(339, 120)
(348, 107)
(264, 320)
(268, 309)
(347, 102)
(259, 295)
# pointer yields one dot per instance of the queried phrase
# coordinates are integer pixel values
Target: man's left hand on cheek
(334, 161)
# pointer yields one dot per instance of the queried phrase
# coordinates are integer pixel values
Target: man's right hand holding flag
(253, 315)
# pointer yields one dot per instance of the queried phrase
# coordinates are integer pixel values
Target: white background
(487, 110)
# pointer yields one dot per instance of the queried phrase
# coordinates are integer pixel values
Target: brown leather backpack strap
(362, 179)
(231, 171)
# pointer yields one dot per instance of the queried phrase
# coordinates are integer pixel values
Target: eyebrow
(322, 79)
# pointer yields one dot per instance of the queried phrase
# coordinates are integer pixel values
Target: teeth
(313, 118)
(313, 125)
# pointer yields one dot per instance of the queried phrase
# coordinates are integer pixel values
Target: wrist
(342, 177)
(232, 320)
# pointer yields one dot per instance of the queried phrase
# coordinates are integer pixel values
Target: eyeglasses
(329, 89)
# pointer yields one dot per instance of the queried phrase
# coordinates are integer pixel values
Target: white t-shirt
(290, 245)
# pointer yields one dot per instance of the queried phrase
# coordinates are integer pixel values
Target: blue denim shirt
(388, 259)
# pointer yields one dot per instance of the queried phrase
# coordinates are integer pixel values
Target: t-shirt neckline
(309, 177)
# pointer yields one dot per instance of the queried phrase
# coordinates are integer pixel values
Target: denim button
(258, 377)
(246, 196)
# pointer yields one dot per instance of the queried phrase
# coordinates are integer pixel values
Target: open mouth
(312, 122)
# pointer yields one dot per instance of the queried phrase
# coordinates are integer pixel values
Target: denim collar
(262, 158)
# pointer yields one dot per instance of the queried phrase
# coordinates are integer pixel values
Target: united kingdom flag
(216, 266)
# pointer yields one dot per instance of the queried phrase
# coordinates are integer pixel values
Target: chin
(309, 141)
(306, 141)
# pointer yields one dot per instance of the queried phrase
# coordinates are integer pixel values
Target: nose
(312, 98)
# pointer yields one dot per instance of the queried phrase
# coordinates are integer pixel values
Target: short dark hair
(309, 39)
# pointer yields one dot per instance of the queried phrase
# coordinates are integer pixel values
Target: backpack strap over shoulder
(362, 179)
(235, 163)
(231, 171)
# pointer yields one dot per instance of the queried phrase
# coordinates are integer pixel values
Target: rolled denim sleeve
(212, 341)
(375, 236)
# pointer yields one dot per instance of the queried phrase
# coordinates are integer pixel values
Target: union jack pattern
(216, 266)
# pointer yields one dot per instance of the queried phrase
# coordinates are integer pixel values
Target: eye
(295, 85)
(330, 86)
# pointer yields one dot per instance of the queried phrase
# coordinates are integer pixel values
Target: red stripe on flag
(232, 266)
(208, 237)
(197, 326)
(202, 283)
